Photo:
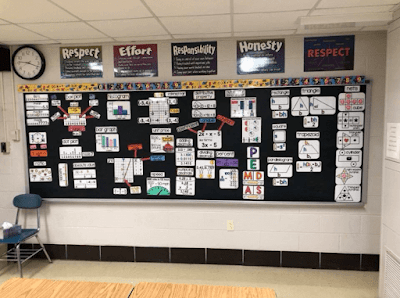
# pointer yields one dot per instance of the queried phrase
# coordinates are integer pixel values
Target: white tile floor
(287, 283)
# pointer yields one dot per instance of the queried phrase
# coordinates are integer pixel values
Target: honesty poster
(194, 58)
(81, 62)
(329, 53)
(261, 56)
(135, 60)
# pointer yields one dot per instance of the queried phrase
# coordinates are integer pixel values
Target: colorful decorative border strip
(212, 84)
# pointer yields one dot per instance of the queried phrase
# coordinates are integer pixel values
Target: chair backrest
(28, 201)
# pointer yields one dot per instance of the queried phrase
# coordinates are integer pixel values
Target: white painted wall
(391, 170)
(287, 228)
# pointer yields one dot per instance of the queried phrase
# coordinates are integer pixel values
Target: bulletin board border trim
(182, 85)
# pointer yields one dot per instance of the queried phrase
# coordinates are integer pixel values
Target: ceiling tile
(375, 28)
(327, 31)
(188, 7)
(351, 10)
(73, 30)
(267, 21)
(202, 36)
(265, 33)
(19, 42)
(121, 28)
(353, 3)
(29, 11)
(245, 6)
(196, 24)
(14, 33)
(141, 38)
(105, 9)
(2, 22)
(86, 40)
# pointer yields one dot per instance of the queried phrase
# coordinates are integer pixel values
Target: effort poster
(135, 60)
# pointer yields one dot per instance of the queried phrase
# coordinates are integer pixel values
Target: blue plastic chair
(16, 254)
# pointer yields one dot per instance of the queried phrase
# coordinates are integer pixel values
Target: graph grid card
(298, 144)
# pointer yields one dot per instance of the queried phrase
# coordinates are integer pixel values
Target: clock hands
(28, 63)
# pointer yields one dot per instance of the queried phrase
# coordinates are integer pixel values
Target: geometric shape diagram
(350, 121)
(280, 170)
(119, 110)
(37, 138)
(253, 192)
(300, 106)
(123, 170)
(209, 139)
(162, 143)
(251, 130)
(40, 175)
(279, 136)
(347, 193)
(205, 169)
(243, 107)
(323, 105)
(349, 139)
(348, 176)
(228, 178)
(280, 103)
(158, 186)
(349, 158)
(309, 149)
(107, 143)
(184, 157)
(185, 186)
(310, 122)
(352, 102)
(308, 166)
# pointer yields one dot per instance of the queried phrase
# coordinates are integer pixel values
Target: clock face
(28, 63)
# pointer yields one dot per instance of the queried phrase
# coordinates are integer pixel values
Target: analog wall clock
(28, 63)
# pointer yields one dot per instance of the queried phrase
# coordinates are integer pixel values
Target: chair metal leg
(44, 249)
(19, 259)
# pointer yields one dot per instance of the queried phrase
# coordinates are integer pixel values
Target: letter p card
(253, 152)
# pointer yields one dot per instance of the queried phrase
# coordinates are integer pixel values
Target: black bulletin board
(309, 186)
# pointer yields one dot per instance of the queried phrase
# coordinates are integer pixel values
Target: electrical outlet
(5, 147)
(229, 225)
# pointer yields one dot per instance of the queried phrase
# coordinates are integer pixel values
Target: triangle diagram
(300, 105)
(344, 195)
(320, 104)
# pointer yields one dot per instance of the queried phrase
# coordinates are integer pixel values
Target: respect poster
(329, 53)
(81, 62)
(261, 56)
(194, 58)
(135, 60)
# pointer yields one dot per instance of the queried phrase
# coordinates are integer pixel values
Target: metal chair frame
(21, 255)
